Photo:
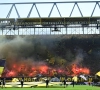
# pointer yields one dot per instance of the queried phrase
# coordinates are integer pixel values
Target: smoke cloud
(15, 47)
(79, 57)
(59, 50)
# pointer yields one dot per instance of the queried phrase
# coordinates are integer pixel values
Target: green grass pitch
(77, 87)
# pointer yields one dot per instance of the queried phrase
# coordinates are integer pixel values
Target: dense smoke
(50, 52)
(14, 47)
(79, 57)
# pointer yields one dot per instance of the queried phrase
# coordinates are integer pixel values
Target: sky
(65, 9)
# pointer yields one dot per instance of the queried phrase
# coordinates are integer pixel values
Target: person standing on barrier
(73, 83)
(22, 82)
(64, 83)
(0, 82)
(47, 82)
(3, 82)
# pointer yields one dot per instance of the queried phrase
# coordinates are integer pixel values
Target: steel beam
(51, 2)
(48, 22)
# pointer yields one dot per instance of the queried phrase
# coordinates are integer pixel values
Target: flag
(2, 64)
(75, 78)
(82, 76)
(98, 73)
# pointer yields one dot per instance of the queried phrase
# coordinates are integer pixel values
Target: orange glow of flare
(43, 69)
(76, 70)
